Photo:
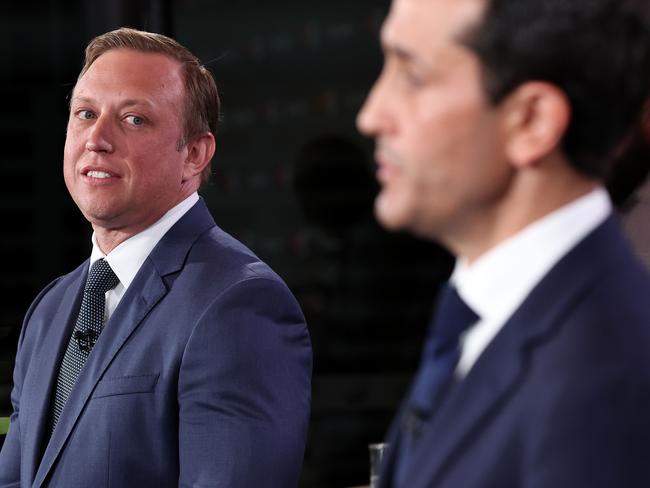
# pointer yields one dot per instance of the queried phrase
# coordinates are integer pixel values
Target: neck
(111, 233)
(534, 193)
(109, 239)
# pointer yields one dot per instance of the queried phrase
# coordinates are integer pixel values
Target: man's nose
(373, 118)
(100, 136)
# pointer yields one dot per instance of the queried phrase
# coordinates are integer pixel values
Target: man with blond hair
(173, 356)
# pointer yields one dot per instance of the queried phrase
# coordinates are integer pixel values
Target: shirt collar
(127, 258)
(498, 282)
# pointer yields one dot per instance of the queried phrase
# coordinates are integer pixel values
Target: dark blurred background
(292, 179)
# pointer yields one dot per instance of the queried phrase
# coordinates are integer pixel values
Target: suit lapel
(146, 290)
(387, 468)
(500, 370)
(135, 305)
(36, 402)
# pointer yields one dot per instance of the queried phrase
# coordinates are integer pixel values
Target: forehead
(132, 73)
(426, 27)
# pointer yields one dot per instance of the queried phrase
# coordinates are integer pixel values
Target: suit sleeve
(11, 448)
(244, 390)
(10, 454)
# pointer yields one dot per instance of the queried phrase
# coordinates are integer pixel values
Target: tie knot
(453, 316)
(101, 277)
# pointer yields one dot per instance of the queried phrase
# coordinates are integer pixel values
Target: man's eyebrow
(75, 99)
(403, 54)
(129, 102)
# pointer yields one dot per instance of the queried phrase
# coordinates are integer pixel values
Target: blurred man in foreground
(495, 123)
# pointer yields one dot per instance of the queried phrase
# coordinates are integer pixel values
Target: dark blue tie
(439, 360)
(89, 325)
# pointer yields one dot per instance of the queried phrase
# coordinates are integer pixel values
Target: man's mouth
(98, 174)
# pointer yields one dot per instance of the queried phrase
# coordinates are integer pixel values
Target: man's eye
(413, 80)
(134, 119)
(85, 114)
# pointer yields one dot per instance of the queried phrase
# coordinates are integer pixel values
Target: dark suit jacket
(201, 377)
(561, 397)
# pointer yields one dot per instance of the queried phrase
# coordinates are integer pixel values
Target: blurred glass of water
(376, 452)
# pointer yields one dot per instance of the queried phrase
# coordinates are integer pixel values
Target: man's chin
(101, 217)
(390, 214)
(397, 215)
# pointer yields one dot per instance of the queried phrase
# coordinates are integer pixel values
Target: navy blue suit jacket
(201, 377)
(561, 397)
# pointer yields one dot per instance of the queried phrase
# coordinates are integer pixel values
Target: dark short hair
(596, 51)
(202, 105)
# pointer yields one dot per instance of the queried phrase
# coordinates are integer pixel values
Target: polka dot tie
(90, 322)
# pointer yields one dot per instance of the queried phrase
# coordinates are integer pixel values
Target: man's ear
(200, 150)
(536, 118)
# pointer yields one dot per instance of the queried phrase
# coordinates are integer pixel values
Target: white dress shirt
(127, 258)
(498, 282)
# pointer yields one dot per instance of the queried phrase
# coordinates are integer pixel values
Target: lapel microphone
(413, 422)
(85, 339)
(415, 417)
